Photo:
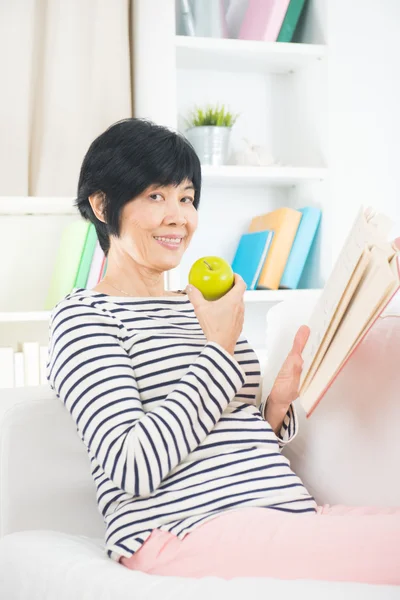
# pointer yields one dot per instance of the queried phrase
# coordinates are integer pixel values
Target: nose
(175, 214)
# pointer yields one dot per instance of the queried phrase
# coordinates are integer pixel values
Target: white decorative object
(254, 155)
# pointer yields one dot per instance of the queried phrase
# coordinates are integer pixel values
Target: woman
(163, 389)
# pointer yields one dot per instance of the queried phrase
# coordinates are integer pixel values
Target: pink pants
(339, 543)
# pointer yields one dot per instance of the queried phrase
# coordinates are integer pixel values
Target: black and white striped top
(170, 421)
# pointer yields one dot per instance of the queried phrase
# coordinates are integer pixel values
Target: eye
(156, 197)
(188, 200)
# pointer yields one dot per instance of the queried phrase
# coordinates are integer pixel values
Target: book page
(337, 317)
(369, 229)
(373, 290)
(334, 289)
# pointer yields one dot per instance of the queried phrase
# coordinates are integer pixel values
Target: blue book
(305, 235)
(250, 256)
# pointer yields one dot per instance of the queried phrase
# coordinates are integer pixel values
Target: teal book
(86, 258)
(290, 21)
(308, 227)
(250, 256)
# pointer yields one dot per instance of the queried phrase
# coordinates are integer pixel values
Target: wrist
(275, 413)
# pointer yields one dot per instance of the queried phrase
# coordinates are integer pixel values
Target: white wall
(364, 101)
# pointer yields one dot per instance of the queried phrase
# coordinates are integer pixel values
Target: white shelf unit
(245, 55)
(280, 95)
(276, 89)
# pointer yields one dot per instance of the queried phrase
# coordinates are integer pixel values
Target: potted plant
(209, 132)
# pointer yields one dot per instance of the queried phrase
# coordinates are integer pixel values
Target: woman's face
(165, 212)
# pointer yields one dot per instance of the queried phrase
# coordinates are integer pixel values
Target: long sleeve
(289, 427)
(91, 371)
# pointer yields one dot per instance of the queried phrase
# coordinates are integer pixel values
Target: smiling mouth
(172, 243)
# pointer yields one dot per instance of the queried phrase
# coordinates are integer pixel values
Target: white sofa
(51, 545)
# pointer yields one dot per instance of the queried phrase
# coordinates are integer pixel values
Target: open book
(364, 279)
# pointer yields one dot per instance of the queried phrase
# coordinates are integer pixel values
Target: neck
(134, 281)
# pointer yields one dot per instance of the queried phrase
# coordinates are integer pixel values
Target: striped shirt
(170, 421)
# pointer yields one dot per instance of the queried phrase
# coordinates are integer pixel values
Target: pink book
(365, 278)
(95, 267)
(263, 20)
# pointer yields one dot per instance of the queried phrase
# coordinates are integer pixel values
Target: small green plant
(211, 117)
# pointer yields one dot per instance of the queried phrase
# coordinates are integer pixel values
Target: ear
(97, 203)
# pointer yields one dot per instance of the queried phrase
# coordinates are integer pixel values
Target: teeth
(169, 240)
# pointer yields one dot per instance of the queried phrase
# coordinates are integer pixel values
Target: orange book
(284, 222)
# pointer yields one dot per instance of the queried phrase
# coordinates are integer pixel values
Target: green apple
(212, 275)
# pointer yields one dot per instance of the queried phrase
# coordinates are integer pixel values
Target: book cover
(67, 262)
(309, 223)
(284, 222)
(263, 20)
(250, 256)
(6, 367)
(104, 267)
(96, 268)
(30, 351)
(290, 21)
(86, 258)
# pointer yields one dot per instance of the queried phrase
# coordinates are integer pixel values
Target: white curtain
(65, 76)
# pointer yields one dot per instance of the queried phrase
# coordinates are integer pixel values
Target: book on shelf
(23, 368)
(86, 257)
(290, 20)
(263, 20)
(67, 262)
(6, 367)
(80, 262)
(19, 369)
(43, 354)
(30, 351)
(250, 256)
(305, 235)
(96, 268)
(284, 222)
(364, 279)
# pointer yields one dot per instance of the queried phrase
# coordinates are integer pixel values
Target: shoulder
(78, 310)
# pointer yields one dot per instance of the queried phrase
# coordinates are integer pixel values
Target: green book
(86, 258)
(67, 262)
(290, 21)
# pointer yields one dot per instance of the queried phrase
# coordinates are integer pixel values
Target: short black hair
(125, 160)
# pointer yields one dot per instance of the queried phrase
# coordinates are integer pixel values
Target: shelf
(25, 317)
(244, 55)
(266, 296)
(37, 206)
(278, 176)
(224, 175)
(273, 296)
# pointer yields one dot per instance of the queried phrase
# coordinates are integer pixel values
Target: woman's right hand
(222, 319)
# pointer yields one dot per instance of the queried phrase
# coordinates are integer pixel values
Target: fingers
(194, 294)
(300, 339)
(239, 286)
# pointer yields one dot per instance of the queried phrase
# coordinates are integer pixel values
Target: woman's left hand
(286, 386)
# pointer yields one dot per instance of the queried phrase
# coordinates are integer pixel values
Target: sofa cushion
(44, 467)
(348, 451)
(44, 565)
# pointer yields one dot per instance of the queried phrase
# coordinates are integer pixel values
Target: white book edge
(6, 367)
(19, 369)
(31, 363)
(43, 353)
